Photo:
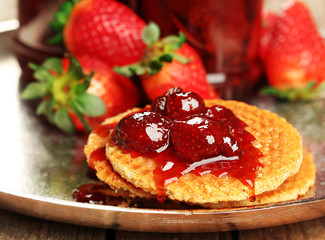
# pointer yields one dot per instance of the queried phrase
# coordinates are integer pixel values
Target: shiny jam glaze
(144, 132)
(91, 192)
(104, 130)
(184, 104)
(228, 146)
(97, 193)
(98, 155)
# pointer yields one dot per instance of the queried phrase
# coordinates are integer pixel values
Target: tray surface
(42, 166)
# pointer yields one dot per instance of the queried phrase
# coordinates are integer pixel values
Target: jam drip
(97, 155)
(104, 130)
(183, 136)
(98, 193)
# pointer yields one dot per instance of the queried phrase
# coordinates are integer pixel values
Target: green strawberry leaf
(125, 71)
(154, 67)
(56, 26)
(67, 6)
(181, 59)
(168, 57)
(173, 42)
(159, 51)
(60, 19)
(63, 121)
(80, 116)
(41, 73)
(129, 70)
(63, 90)
(46, 108)
(54, 64)
(89, 105)
(35, 90)
(309, 92)
(320, 88)
(151, 34)
(75, 69)
(138, 69)
(83, 86)
(56, 39)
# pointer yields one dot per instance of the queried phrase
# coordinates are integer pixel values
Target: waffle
(278, 140)
(104, 170)
(292, 188)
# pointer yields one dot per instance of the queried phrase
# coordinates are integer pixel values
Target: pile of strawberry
(293, 53)
(180, 119)
(105, 39)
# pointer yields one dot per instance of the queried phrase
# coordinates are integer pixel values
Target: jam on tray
(183, 136)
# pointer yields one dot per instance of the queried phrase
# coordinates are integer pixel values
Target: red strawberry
(103, 29)
(295, 62)
(184, 104)
(73, 100)
(144, 131)
(168, 63)
(268, 26)
(199, 138)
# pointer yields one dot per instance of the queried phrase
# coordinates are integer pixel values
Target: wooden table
(16, 226)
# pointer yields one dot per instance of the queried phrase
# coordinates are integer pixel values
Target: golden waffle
(104, 170)
(294, 187)
(278, 140)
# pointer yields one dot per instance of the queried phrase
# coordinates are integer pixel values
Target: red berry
(184, 104)
(201, 138)
(173, 91)
(237, 127)
(190, 76)
(159, 103)
(297, 51)
(144, 131)
(223, 114)
(106, 30)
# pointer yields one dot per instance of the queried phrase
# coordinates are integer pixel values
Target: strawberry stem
(62, 90)
(310, 91)
(63, 93)
(61, 17)
(158, 52)
(82, 119)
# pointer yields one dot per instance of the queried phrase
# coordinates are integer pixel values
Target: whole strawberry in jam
(103, 29)
(159, 103)
(201, 138)
(144, 131)
(177, 104)
(184, 104)
(225, 115)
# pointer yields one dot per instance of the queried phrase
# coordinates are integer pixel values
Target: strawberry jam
(90, 193)
(98, 155)
(104, 130)
(144, 132)
(192, 139)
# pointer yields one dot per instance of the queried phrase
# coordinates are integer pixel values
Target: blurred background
(317, 8)
(8, 9)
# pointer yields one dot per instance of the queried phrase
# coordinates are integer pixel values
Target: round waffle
(104, 170)
(292, 188)
(278, 140)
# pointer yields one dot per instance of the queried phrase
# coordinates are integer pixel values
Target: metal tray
(41, 166)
